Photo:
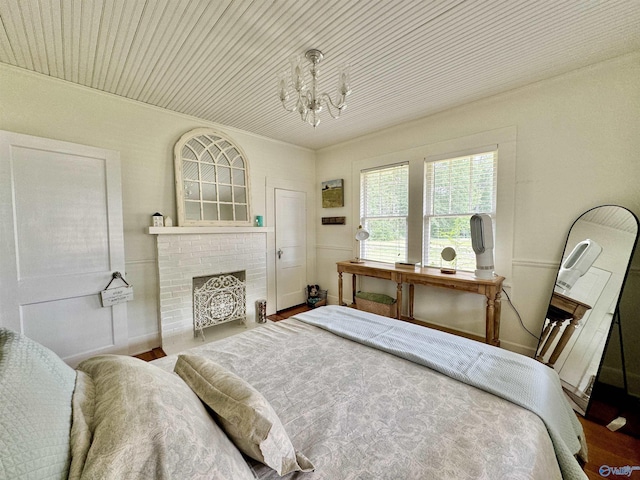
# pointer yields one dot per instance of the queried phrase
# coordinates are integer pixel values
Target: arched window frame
(204, 188)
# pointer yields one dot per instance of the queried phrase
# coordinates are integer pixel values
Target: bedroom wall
(145, 136)
(577, 147)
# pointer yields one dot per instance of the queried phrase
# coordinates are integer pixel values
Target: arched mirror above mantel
(584, 305)
(212, 180)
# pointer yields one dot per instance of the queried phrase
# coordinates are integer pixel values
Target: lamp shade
(361, 234)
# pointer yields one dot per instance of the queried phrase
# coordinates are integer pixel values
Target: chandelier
(309, 102)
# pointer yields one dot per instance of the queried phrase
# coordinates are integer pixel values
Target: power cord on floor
(518, 315)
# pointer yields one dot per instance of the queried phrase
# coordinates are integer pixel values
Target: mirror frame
(218, 148)
(616, 311)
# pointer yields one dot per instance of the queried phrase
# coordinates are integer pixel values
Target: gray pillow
(144, 422)
(246, 416)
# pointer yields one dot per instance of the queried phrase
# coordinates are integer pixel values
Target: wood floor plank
(284, 314)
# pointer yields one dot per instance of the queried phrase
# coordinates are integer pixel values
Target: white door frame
(271, 184)
(290, 292)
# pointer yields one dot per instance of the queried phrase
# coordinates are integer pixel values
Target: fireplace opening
(217, 299)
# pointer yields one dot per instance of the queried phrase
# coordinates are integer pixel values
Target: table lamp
(361, 235)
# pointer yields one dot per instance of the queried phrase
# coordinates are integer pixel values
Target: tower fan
(579, 261)
(482, 243)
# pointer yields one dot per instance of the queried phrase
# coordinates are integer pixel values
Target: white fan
(579, 261)
(361, 235)
(482, 243)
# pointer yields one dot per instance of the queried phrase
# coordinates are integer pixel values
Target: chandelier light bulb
(309, 102)
(297, 74)
(344, 81)
(315, 118)
(282, 87)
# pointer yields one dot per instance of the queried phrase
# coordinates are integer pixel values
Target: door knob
(279, 252)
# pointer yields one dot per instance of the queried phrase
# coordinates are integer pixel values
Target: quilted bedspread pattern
(511, 376)
(359, 413)
(36, 387)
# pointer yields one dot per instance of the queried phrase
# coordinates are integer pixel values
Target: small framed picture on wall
(333, 193)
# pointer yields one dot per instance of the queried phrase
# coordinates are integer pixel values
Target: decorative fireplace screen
(218, 299)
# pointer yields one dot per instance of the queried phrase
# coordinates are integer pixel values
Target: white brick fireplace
(185, 253)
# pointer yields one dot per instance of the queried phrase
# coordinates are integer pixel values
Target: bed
(330, 394)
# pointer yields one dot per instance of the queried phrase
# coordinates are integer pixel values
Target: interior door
(291, 248)
(61, 240)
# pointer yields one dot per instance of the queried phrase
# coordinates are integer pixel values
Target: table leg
(399, 300)
(564, 339)
(353, 288)
(543, 339)
(496, 319)
(411, 297)
(492, 336)
(340, 302)
(555, 328)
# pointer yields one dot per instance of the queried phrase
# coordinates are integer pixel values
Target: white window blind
(455, 189)
(384, 210)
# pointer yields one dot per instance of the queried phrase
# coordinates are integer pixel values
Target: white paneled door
(291, 248)
(61, 240)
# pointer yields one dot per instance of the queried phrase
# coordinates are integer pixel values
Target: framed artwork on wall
(333, 193)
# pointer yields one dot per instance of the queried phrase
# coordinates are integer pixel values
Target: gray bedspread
(359, 413)
(511, 376)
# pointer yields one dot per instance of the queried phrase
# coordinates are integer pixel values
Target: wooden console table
(462, 281)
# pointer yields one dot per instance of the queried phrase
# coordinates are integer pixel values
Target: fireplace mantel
(207, 230)
(185, 253)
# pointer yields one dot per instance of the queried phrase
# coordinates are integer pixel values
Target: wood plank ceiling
(219, 59)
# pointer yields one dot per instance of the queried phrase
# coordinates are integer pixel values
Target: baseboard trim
(144, 343)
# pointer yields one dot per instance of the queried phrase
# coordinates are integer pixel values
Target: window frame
(364, 219)
(428, 214)
(503, 139)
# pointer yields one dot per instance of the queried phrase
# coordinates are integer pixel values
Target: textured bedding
(134, 421)
(359, 413)
(519, 379)
(36, 387)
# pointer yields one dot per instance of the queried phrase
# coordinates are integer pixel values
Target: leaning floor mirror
(584, 305)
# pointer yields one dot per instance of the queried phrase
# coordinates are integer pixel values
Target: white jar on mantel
(157, 220)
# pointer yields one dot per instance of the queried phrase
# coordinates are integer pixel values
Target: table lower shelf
(453, 331)
(471, 336)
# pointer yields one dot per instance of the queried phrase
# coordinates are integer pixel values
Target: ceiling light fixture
(309, 102)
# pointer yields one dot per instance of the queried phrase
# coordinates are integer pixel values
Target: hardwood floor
(151, 355)
(615, 449)
(609, 402)
(159, 353)
(284, 314)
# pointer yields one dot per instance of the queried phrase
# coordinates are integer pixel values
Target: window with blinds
(455, 189)
(384, 211)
